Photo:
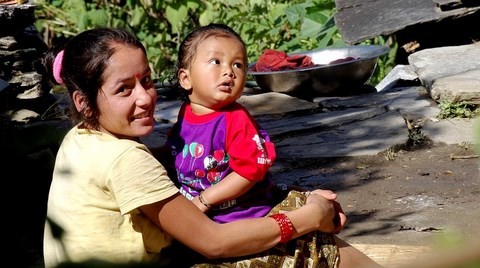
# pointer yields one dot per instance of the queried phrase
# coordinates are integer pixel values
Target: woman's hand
(323, 212)
(328, 194)
(340, 219)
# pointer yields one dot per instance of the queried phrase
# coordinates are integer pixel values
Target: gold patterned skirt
(314, 249)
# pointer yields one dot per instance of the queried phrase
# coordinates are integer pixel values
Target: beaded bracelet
(200, 198)
(286, 226)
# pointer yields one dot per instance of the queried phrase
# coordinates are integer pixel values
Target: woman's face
(127, 97)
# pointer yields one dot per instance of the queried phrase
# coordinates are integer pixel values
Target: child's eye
(238, 65)
(215, 61)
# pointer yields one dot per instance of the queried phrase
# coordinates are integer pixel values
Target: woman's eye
(147, 81)
(125, 90)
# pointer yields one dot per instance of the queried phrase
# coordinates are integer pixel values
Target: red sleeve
(249, 147)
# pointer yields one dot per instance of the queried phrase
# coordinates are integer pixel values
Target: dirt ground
(422, 197)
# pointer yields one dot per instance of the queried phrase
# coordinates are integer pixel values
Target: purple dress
(207, 148)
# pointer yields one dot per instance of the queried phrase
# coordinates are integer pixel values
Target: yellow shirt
(98, 183)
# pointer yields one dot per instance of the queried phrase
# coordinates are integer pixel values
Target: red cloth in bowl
(273, 60)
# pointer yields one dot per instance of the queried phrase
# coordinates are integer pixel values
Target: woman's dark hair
(188, 48)
(84, 61)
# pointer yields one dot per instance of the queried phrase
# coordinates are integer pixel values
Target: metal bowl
(337, 79)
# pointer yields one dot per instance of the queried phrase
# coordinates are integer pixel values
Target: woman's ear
(78, 100)
(184, 79)
(81, 103)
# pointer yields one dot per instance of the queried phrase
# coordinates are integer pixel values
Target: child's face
(217, 74)
(128, 97)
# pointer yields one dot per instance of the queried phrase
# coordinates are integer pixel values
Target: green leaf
(255, 2)
(276, 13)
(174, 15)
(208, 15)
(310, 28)
(319, 16)
(97, 18)
(138, 16)
(295, 14)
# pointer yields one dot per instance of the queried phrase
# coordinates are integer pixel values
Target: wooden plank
(464, 254)
(359, 20)
(393, 255)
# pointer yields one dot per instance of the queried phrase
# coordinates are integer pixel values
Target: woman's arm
(185, 222)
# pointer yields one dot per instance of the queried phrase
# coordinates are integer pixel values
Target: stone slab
(285, 127)
(462, 87)
(359, 20)
(451, 131)
(434, 63)
(364, 137)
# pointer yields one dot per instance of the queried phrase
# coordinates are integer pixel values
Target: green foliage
(452, 241)
(385, 63)
(450, 109)
(292, 26)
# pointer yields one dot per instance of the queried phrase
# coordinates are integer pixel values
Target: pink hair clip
(57, 67)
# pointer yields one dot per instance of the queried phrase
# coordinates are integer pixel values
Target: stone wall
(30, 132)
(24, 96)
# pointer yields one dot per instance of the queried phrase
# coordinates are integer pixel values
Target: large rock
(463, 87)
(449, 73)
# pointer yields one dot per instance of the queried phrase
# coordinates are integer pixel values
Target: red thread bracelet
(286, 226)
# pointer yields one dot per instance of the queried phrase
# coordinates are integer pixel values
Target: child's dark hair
(188, 48)
(85, 58)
